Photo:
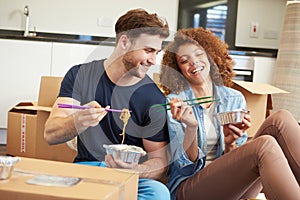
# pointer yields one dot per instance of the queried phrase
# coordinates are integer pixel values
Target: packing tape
(23, 133)
(118, 184)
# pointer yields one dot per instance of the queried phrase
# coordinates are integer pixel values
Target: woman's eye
(184, 61)
(199, 54)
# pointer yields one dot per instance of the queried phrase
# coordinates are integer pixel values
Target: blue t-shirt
(88, 82)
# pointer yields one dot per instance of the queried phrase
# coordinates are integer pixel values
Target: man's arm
(156, 165)
(64, 124)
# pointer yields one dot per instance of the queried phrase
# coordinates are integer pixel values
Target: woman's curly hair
(171, 78)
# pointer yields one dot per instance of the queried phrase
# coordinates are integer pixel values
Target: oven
(243, 68)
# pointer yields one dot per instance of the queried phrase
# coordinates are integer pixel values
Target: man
(118, 82)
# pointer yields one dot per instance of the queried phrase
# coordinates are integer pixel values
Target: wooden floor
(2, 150)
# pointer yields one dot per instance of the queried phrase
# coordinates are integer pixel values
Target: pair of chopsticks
(199, 101)
(62, 105)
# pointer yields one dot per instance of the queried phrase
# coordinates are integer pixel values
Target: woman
(210, 161)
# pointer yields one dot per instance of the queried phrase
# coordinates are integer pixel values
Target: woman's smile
(197, 70)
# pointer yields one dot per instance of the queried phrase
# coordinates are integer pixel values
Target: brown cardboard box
(259, 101)
(96, 182)
(25, 129)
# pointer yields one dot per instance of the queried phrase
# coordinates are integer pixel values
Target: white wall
(79, 16)
(268, 14)
(26, 61)
(3, 136)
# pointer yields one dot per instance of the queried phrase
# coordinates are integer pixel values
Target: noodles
(125, 115)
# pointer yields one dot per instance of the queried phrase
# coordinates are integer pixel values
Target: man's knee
(151, 189)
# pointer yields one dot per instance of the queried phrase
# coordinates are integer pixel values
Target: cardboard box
(95, 183)
(25, 129)
(259, 101)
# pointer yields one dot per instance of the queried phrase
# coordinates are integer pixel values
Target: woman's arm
(184, 113)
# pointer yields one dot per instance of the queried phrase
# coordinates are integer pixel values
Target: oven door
(243, 75)
(243, 68)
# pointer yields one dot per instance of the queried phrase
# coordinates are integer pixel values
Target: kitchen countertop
(108, 41)
(260, 53)
(58, 37)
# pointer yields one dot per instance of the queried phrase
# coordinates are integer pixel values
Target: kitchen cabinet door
(263, 69)
(66, 55)
(22, 65)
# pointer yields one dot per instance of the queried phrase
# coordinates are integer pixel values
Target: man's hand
(65, 124)
(89, 117)
(112, 163)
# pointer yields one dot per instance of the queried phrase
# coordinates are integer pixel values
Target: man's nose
(152, 59)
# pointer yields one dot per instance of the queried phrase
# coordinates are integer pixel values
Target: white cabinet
(22, 65)
(66, 55)
(24, 62)
(263, 69)
(259, 23)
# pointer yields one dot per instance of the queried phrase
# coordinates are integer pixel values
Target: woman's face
(194, 63)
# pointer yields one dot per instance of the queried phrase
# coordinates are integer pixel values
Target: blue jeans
(148, 189)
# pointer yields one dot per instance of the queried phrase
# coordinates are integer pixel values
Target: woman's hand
(182, 112)
(234, 131)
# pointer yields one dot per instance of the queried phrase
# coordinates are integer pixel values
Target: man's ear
(124, 42)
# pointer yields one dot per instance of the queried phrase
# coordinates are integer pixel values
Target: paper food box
(25, 129)
(259, 101)
(37, 179)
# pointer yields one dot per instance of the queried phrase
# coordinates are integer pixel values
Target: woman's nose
(194, 62)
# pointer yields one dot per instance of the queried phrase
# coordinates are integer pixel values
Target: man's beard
(132, 66)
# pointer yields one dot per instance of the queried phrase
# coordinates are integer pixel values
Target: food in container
(124, 152)
(6, 166)
(125, 115)
(231, 117)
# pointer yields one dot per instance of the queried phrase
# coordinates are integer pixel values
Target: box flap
(27, 103)
(49, 89)
(42, 108)
(96, 182)
(259, 88)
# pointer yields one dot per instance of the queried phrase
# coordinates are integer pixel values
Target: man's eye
(149, 50)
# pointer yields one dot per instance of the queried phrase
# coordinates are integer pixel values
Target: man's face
(142, 54)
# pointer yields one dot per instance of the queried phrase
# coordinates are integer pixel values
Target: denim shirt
(181, 167)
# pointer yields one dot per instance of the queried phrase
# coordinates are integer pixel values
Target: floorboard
(2, 149)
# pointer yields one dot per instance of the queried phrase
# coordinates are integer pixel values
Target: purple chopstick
(62, 105)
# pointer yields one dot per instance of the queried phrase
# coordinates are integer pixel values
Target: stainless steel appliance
(243, 68)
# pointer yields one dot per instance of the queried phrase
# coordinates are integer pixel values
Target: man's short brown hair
(138, 21)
